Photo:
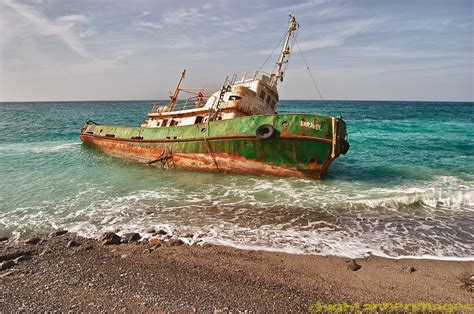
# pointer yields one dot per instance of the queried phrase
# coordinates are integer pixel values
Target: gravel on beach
(65, 272)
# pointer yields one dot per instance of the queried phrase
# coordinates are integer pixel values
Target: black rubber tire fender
(345, 147)
(265, 131)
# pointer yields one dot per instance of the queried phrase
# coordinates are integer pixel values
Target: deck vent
(90, 132)
(110, 135)
(137, 137)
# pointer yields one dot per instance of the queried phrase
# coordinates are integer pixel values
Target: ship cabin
(242, 95)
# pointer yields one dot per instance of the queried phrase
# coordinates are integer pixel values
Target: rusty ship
(234, 130)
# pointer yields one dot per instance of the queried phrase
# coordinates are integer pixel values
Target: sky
(135, 50)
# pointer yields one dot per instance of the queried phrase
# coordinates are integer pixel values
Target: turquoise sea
(405, 188)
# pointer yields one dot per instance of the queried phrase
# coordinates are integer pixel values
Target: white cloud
(290, 9)
(123, 54)
(180, 42)
(88, 33)
(183, 16)
(151, 25)
(241, 25)
(343, 31)
(73, 18)
(404, 53)
(45, 27)
(333, 11)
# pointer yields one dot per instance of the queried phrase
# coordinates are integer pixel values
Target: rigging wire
(271, 53)
(310, 74)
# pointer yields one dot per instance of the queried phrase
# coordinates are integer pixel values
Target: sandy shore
(67, 272)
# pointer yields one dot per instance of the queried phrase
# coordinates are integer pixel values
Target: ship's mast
(292, 27)
(174, 97)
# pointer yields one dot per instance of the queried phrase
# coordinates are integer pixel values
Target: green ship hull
(292, 145)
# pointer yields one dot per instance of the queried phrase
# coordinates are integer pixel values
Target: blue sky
(105, 49)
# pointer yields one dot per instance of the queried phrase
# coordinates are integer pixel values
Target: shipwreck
(235, 130)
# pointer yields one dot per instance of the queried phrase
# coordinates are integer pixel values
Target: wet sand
(157, 275)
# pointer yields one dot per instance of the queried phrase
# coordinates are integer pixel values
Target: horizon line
(165, 101)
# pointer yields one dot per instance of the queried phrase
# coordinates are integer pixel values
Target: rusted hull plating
(297, 149)
(214, 162)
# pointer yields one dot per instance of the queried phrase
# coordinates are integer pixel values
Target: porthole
(285, 124)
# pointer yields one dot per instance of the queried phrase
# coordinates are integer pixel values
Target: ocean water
(405, 188)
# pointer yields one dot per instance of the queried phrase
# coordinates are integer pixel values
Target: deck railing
(235, 79)
(248, 77)
(180, 105)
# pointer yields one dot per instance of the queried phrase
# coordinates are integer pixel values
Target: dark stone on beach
(131, 237)
(33, 241)
(197, 242)
(175, 242)
(3, 239)
(7, 264)
(88, 248)
(468, 281)
(161, 232)
(57, 233)
(150, 230)
(14, 255)
(352, 265)
(73, 243)
(110, 238)
(21, 258)
(411, 269)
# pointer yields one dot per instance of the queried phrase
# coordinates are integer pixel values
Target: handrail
(248, 76)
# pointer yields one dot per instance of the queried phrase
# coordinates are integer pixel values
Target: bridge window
(268, 99)
(235, 97)
(199, 119)
(164, 122)
(262, 95)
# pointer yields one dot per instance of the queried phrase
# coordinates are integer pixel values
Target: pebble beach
(154, 271)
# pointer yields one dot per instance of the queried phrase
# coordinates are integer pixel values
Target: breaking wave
(295, 216)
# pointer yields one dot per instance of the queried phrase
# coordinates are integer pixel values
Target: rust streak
(228, 163)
